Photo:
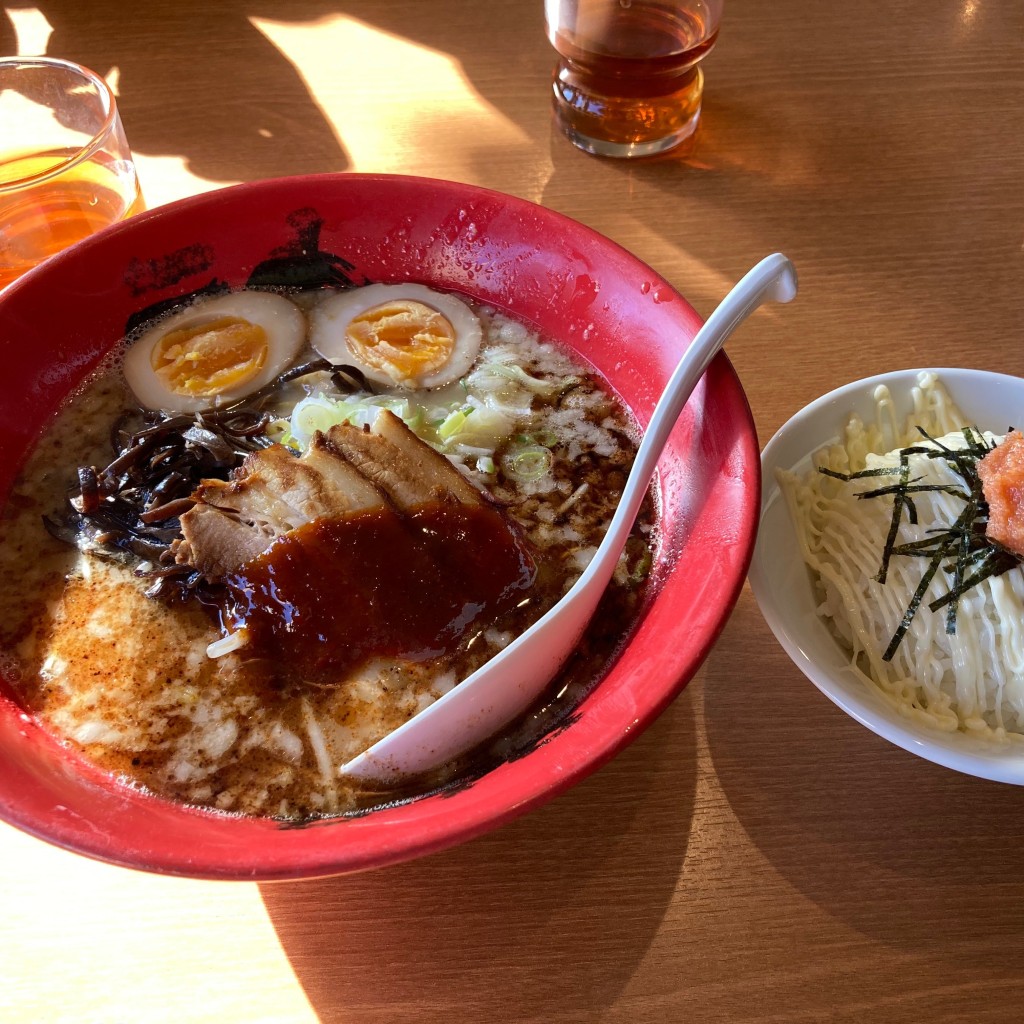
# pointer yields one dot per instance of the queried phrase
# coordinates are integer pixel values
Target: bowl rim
(511, 796)
(784, 624)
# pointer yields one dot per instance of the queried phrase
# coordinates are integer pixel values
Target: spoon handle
(773, 278)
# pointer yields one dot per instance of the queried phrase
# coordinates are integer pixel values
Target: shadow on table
(8, 40)
(880, 839)
(203, 83)
(549, 915)
(175, 100)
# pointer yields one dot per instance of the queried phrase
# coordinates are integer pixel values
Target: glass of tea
(628, 82)
(65, 168)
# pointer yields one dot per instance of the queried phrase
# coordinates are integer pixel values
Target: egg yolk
(403, 338)
(205, 360)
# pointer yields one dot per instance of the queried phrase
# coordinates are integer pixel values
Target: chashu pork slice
(279, 492)
(404, 467)
(270, 494)
(216, 543)
(348, 469)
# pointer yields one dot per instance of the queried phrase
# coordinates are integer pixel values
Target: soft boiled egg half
(215, 352)
(404, 335)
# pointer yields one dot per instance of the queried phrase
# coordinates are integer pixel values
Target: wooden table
(756, 855)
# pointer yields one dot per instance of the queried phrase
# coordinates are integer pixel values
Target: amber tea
(628, 82)
(49, 212)
(65, 167)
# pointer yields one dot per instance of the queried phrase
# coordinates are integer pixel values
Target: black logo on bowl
(299, 265)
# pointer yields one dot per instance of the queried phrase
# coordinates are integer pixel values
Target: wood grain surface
(756, 855)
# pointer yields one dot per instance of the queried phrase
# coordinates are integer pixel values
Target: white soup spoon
(504, 687)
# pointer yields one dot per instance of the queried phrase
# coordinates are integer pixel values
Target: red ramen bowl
(572, 285)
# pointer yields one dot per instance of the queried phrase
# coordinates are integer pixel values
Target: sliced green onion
(452, 423)
(516, 374)
(529, 463)
(642, 569)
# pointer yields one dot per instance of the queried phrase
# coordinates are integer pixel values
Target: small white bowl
(782, 584)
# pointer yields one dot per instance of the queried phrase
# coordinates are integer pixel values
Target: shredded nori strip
(899, 503)
(946, 547)
(961, 550)
(860, 474)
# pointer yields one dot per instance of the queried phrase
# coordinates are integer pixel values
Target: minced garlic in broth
(127, 680)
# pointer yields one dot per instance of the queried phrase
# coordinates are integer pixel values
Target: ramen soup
(273, 529)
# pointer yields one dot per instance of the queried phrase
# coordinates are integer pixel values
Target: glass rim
(85, 151)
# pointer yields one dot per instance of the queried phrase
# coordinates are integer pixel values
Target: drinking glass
(65, 168)
(627, 82)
